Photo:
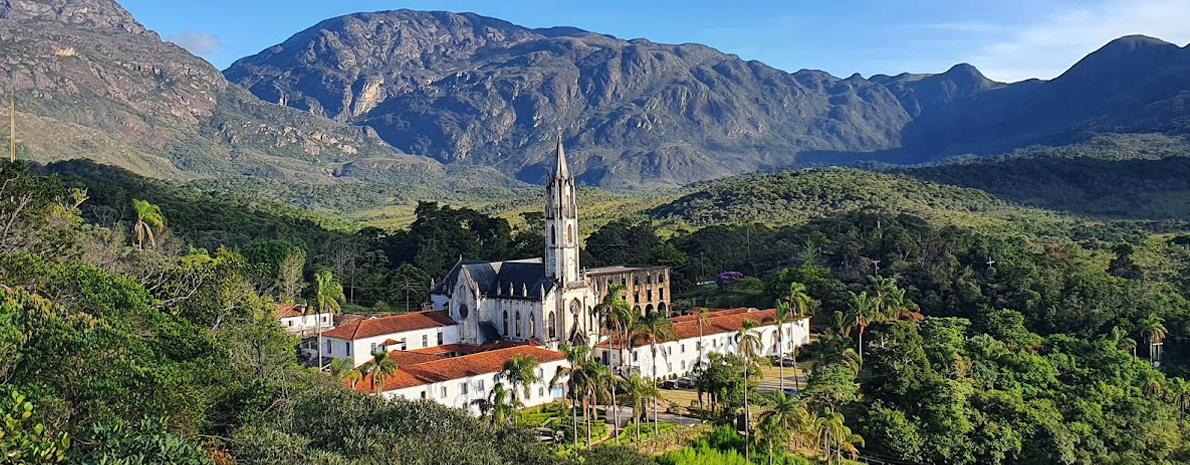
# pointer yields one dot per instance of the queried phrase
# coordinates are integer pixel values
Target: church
(548, 300)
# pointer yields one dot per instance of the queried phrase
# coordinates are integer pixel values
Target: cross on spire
(560, 169)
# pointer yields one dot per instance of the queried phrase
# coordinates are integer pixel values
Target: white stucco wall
(302, 323)
(452, 393)
(361, 349)
(680, 357)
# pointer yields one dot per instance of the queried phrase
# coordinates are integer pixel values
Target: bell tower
(561, 223)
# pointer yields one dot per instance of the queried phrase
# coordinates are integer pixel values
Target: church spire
(561, 222)
(560, 169)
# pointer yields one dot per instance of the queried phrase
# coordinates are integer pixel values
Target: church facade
(549, 300)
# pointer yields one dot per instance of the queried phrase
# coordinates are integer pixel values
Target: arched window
(551, 326)
(532, 326)
(636, 309)
(661, 308)
(518, 324)
(463, 311)
(648, 309)
(569, 234)
(506, 323)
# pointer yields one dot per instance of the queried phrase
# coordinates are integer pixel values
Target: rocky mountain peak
(91, 14)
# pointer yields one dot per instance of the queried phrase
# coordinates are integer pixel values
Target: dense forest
(135, 328)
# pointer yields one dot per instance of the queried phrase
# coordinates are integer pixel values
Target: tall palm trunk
(318, 339)
(781, 357)
(747, 416)
(588, 411)
(574, 415)
(655, 425)
(615, 415)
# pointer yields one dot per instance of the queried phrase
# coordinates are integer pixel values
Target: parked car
(785, 362)
(790, 391)
(668, 384)
(686, 383)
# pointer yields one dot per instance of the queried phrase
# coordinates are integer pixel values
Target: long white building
(459, 381)
(357, 340)
(718, 334)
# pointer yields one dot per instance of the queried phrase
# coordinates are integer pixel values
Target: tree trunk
(616, 416)
(747, 418)
(655, 427)
(588, 411)
(861, 344)
(574, 414)
(318, 340)
(781, 358)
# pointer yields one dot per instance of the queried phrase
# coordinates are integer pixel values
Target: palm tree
(1153, 329)
(836, 437)
(702, 315)
(621, 317)
(863, 310)
(890, 299)
(520, 370)
(748, 347)
(786, 418)
(148, 216)
(852, 360)
(800, 305)
(328, 294)
(577, 357)
(497, 406)
(382, 367)
(600, 385)
(783, 315)
(654, 328)
(1121, 341)
(636, 390)
(1179, 394)
(342, 370)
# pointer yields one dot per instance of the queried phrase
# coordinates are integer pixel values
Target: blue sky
(1008, 40)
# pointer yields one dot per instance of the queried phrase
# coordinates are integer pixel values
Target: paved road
(626, 417)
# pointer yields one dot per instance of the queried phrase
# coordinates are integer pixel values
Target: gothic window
(518, 324)
(552, 328)
(463, 311)
(569, 234)
(506, 323)
(532, 326)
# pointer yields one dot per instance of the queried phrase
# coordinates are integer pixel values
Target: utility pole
(12, 129)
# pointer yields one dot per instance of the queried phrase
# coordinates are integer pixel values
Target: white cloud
(1046, 48)
(198, 43)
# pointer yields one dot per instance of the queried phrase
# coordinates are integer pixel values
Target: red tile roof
(711, 313)
(406, 358)
(390, 324)
(467, 349)
(288, 310)
(457, 368)
(729, 323)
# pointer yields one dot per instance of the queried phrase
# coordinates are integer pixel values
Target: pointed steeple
(560, 169)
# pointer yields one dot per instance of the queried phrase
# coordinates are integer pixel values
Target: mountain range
(402, 95)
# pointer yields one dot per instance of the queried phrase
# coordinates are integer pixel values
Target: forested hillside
(797, 196)
(1040, 334)
(1103, 184)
